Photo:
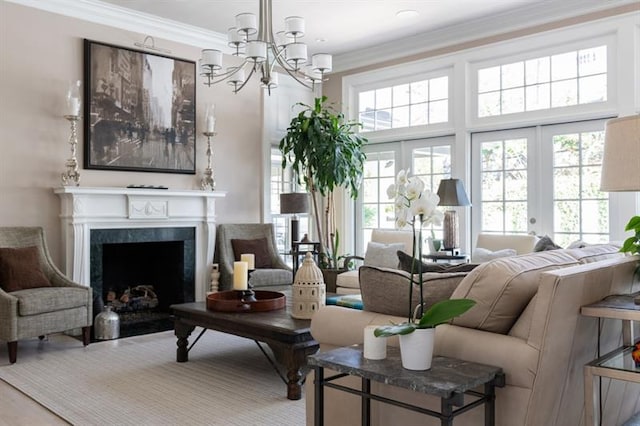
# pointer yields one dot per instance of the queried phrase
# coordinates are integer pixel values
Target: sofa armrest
(517, 359)
(334, 326)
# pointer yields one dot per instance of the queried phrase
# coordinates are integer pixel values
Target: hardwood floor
(18, 409)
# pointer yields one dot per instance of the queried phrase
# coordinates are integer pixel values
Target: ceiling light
(407, 14)
(253, 39)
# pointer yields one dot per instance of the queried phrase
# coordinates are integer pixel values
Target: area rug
(137, 381)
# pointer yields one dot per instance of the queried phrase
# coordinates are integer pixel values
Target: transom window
(405, 105)
(572, 78)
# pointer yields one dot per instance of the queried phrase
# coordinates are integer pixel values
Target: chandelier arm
(292, 73)
(246, 80)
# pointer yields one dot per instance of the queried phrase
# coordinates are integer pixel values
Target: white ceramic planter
(416, 349)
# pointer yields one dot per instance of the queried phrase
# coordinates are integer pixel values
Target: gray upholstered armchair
(273, 272)
(36, 299)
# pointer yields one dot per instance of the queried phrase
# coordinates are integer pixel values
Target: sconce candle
(73, 99)
(240, 278)
(250, 258)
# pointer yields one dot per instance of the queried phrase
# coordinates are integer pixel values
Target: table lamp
(294, 203)
(621, 158)
(452, 194)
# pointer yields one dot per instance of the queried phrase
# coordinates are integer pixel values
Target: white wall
(39, 53)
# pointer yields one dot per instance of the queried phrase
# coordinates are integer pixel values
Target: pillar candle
(250, 258)
(211, 124)
(240, 270)
(374, 347)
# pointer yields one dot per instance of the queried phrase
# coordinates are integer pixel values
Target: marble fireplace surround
(84, 209)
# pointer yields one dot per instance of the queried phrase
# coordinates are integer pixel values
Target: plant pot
(416, 349)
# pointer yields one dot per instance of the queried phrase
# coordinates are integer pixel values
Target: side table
(300, 249)
(618, 363)
(448, 379)
(447, 258)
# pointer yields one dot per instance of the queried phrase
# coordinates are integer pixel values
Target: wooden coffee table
(289, 338)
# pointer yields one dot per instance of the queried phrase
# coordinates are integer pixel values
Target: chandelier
(253, 39)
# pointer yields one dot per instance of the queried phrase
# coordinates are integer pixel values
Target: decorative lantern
(309, 291)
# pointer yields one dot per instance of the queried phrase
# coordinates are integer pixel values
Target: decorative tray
(232, 301)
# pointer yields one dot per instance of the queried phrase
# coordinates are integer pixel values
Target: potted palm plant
(325, 152)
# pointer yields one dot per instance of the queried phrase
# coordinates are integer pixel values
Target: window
(429, 159)
(572, 78)
(282, 181)
(416, 103)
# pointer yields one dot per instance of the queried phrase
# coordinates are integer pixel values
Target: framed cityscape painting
(139, 112)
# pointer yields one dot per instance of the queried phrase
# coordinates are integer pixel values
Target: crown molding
(469, 31)
(127, 19)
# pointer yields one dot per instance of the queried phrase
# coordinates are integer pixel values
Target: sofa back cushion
(386, 290)
(382, 255)
(595, 252)
(390, 236)
(502, 288)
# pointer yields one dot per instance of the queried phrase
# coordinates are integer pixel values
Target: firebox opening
(140, 273)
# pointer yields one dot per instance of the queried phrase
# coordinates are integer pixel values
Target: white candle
(240, 270)
(211, 124)
(374, 347)
(250, 258)
(74, 106)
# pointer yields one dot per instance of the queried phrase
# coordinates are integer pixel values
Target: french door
(543, 180)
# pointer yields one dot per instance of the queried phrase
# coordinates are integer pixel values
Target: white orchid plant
(416, 207)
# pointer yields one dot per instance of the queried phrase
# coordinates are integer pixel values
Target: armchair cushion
(386, 290)
(51, 299)
(259, 247)
(20, 269)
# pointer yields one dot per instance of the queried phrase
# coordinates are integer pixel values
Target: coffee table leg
(182, 332)
(319, 397)
(294, 360)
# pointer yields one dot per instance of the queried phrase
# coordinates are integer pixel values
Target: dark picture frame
(139, 110)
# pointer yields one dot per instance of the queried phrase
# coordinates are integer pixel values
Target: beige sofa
(527, 321)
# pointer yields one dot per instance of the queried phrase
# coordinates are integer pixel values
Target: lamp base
(295, 226)
(450, 227)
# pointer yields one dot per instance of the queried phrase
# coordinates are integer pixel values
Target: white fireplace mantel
(84, 209)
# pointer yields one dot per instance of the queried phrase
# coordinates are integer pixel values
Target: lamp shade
(621, 160)
(452, 193)
(294, 202)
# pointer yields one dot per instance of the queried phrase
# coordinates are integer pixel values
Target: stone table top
(446, 377)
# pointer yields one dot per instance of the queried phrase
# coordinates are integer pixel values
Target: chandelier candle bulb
(250, 258)
(240, 278)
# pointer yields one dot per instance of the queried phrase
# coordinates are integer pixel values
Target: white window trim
(624, 30)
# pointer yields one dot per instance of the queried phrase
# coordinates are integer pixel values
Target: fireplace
(140, 273)
(119, 241)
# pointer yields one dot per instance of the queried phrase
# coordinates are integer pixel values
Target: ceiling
(340, 26)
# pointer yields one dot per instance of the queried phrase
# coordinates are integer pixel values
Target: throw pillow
(382, 255)
(546, 243)
(259, 248)
(386, 290)
(481, 255)
(503, 288)
(406, 261)
(20, 269)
